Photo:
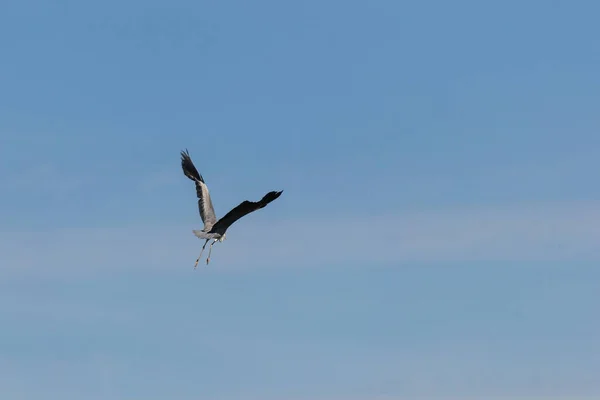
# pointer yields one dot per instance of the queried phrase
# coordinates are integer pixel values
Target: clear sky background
(438, 236)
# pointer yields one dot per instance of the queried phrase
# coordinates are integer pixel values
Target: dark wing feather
(207, 212)
(246, 207)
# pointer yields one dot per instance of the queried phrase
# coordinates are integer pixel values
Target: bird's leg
(198, 259)
(210, 250)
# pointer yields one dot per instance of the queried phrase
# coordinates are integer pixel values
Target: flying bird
(215, 229)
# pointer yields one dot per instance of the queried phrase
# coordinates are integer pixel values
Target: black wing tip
(188, 167)
(186, 161)
(273, 195)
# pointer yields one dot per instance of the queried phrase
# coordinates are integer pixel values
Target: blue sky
(438, 233)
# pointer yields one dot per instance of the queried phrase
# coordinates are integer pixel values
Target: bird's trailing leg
(198, 259)
(210, 250)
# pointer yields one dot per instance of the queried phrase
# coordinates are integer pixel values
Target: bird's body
(207, 235)
(216, 229)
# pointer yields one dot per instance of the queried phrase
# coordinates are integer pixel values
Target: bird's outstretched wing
(245, 207)
(207, 212)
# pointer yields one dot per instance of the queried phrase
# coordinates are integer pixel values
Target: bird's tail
(203, 235)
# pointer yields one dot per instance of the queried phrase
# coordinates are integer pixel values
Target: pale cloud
(467, 397)
(568, 232)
